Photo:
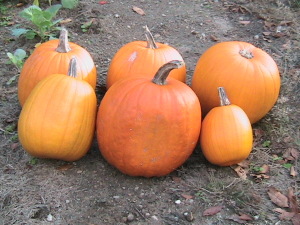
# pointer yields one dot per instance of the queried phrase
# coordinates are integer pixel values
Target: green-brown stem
(163, 72)
(63, 46)
(150, 40)
(223, 96)
(72, 71)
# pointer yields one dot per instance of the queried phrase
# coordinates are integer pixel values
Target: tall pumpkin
(53, 57)
(58, 119)
(143, 58)
(149, 127)
(249, 75)
(226, 133)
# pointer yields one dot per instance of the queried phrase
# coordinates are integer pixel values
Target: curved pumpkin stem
(223, 96)
(150, 40)
(63, 45)
(163, 72)
(72, 71)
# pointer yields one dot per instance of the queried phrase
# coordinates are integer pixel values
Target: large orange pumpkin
(58, 119)
(143, 58)
(53, 57)
(226, 134)
(249, 75)
(149, 127)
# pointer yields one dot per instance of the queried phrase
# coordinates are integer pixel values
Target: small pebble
(177, 202)
(49, 218)
(188, 216)
(130, 217)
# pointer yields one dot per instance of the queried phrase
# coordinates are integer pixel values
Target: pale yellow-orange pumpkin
(249, 75)
(226, 134)
(58, 119)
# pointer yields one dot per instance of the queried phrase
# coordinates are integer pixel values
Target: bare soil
(90, 191)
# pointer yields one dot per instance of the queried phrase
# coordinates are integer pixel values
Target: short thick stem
(164, 71)
(63, 46)
(150, 40)
(223, 97)
(72, 72)
(246, 54)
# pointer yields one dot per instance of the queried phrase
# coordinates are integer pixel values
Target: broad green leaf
(30, 34)
(69, 4)
(17, 32)
(36, 2)
(12, 58)
(20, 54)
(53, 9)
(28, 12)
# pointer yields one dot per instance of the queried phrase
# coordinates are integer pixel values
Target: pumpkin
(53, 57)
(249, 75)
(226, 134)
(143, 58)
(58, 119)
(149, 127)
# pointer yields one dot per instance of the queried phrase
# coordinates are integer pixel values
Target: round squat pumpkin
(249, 75)
(226, 134)
(53, 57)
(149, 126)
(143, 58)
(58, 119)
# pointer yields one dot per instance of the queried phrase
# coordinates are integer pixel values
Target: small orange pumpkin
(149, 126)
(249, 75)
(58, 119)
(53, 57)
(143, 58)
(226, 134)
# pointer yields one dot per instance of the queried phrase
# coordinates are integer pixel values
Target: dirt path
(89, 191)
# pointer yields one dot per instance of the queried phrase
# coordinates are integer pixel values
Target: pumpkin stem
(247, 54)
(223, 96)
(63, 45)
(163, 72)
(150, 40)
(72, 71)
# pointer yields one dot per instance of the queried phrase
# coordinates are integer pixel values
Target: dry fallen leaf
(242, 173)
(284, 215)
(293, 201)
(186, 196)
(138, 10)
(294, 153)
(65, 21)
(264, 169)
(244, 22)
(241, 219)
(293, 172)
(65, 167)
(212, 211)
(296, 219)
(277, 197)
(244, 164)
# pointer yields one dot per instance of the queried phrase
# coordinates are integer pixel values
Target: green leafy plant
(69, 4)
(85, 27)
(17, 58)
(42, 21)
(266, 144)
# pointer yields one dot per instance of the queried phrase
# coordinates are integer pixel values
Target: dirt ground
(90, 191)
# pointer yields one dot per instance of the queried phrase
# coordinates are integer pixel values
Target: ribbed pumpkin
(149, 127)
(58, 119)
(143, 58)
(226, 134)
(249, 75)
(53, 57)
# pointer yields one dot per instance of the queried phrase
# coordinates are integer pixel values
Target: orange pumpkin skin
(135, 58)
(58, 119)
(45, 60)
(226, 135)
(145, 129)
(251, 83)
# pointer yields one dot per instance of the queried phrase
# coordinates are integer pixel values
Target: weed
(17, 58)
(33, 161)
(266, 144)
(42, 21)
(69, 4)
